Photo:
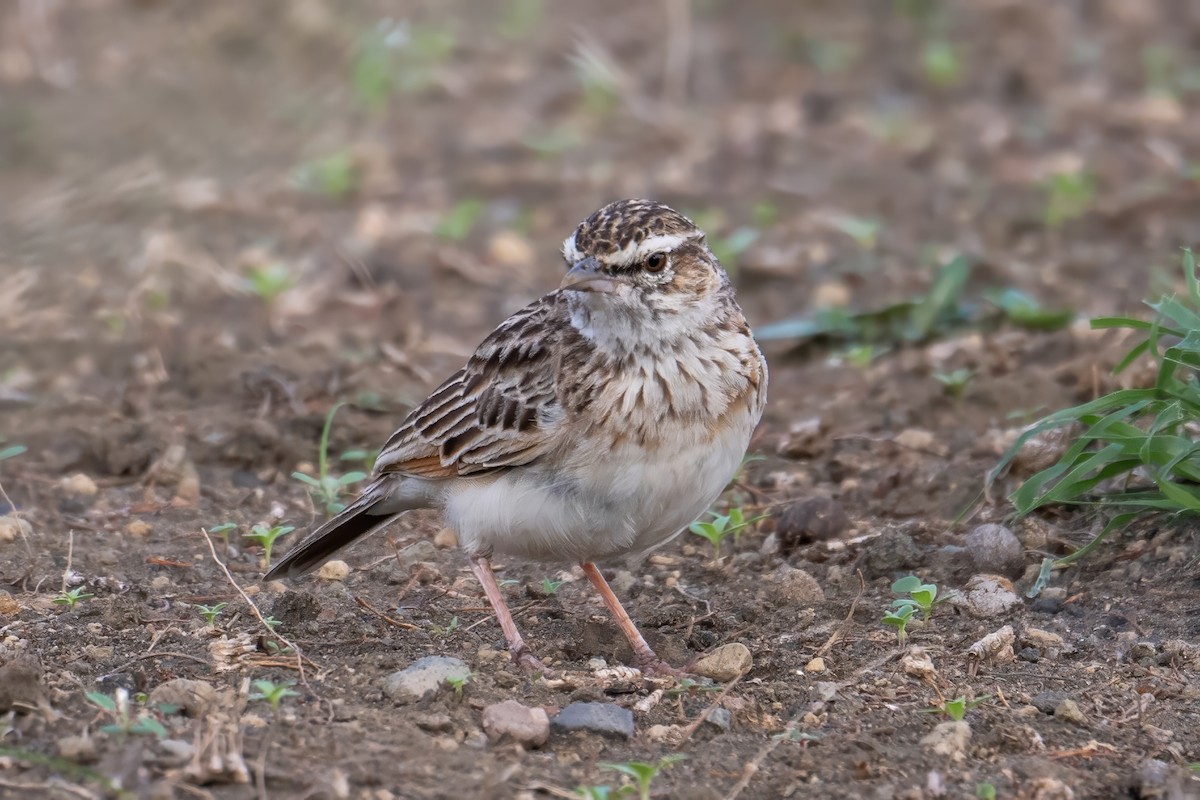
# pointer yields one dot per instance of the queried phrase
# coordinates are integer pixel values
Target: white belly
(624, 501)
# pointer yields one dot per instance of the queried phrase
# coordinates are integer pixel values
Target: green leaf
(458, 224)
(102, 700)
(12, 451)
(906, 584)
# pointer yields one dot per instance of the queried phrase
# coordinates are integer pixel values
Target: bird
(595, 423)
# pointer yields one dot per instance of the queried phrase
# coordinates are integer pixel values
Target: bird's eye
(657, 262)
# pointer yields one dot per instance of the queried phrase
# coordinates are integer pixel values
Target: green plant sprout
(940, 63)
(688, 686)
(265, 537)
(273, 693)
(124, 722)
(551, 587)
(898, 618)
(446, 630)
(223, 529)
(457, 682)
(642, 773)
(458, 224)
(72, 598)
(985, 791)
(920, 595)
(269, 281)
(957, 708)
(1136, 443)
(722, 525)
(271, 622)
(210, 613)
(954, 383)
(336, 175)
(360, 456)
(1069, 195)
(598, 78)
(326, 487)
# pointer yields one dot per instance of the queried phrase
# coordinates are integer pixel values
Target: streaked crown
(624, 232)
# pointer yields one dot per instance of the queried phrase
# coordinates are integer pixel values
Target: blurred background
(220, 219)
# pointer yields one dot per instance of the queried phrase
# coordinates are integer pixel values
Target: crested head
(643, 248)
(638, 268)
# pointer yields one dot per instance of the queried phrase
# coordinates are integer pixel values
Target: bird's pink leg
(649, 663)
(517, 648)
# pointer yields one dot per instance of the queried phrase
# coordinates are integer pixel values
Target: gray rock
(719, 718)
(795, 586)
(815, 519)
(889, 553)
(424, 676)
(605, 719)
(995, 549)
(511, 721)
(21, 684)
(1047, 701)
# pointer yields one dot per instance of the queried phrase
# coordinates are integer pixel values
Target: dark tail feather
(354, 522)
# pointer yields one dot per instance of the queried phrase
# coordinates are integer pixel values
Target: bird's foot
(524, 658)
(655, 667)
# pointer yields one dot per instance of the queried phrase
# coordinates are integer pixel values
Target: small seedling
(985, 791)
(269, 281)
(265, 537)
(336, 176)
(72, 598)
(940, 63)
(643, 774)
(271, 622)
(457, 682)
(602, 792)
(366, 458)
(920, 595)
(224, 528)
(326, 487)
(1068, 196)
(210, 613)
(124, 721)
(957, 708)
(276, 649)
(440, 630)
(551, 587)
(954, 383)
(598, 77)
(722, 525)
(898, 618)
(273, 693)
(861, 356)
(458, 224)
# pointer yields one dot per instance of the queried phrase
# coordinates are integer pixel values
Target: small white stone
(726, 662)
(334, 571)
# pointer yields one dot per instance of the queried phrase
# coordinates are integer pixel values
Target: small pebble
(995, 549)
(160, 582)
(334, 571)
(511, 721)
(606, 719)
(138, 528)
(1047, 701)
(989, 596)
(1069, 710)
(796, 586)
(424, 676)
(949, 739)
(417, 552)
(80, 749)
(193, 698)
(815, 665)
(726, 662)
(78, 484)
(13, 527)
(719, 718)
(445, 539)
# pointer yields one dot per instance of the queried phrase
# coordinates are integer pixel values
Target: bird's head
(640, 257)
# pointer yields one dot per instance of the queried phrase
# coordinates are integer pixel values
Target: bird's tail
(374, 508)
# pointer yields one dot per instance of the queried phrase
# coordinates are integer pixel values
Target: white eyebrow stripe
(634, 251)
(570, 251)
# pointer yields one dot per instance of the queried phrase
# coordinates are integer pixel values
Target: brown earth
(149, 154)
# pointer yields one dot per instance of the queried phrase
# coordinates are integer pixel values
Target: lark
(595, 423)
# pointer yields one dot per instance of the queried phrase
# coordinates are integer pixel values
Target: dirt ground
(218, 220)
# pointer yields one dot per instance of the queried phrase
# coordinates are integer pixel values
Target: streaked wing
(500, 410)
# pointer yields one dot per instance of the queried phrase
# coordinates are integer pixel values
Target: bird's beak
(586, 276)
